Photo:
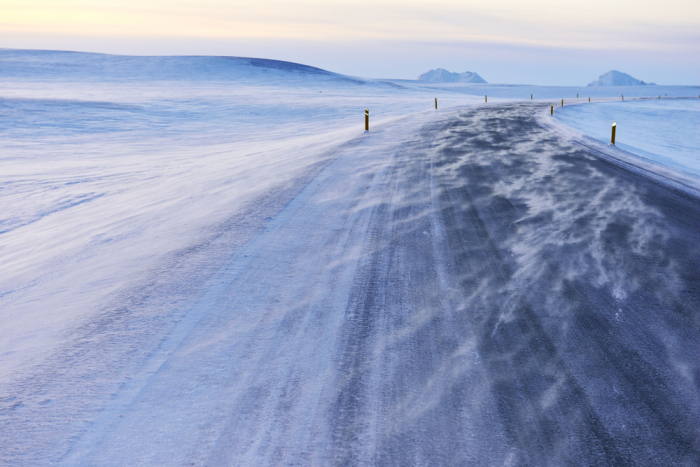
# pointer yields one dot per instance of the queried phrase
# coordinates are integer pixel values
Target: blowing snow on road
(458, 287)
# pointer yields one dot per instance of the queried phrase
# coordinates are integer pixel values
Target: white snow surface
(662, 132)
(110, 170)
(440, 75)
(128, 182)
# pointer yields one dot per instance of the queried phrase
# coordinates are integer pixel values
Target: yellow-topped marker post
(612, 138)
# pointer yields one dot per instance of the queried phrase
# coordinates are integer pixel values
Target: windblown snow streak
(485, 293)
(194, 277)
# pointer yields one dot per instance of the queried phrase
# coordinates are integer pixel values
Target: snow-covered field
(127, 182)
(164, 220)
(117, 162)
(663, 132)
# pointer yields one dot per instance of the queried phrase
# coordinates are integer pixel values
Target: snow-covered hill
(61, 65)
(441, 75)
(617, 78)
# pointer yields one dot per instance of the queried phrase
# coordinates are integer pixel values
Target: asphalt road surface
(485, 293)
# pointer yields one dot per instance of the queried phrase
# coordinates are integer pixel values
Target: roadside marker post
(551, 110)
(366, 119)
(530, 96)
(486, 99)
(623, 97)
(589, 99)
(612, 139)
(436, 102)
(562, 102)
(576, 95)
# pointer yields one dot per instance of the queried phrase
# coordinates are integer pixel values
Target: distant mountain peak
(617, 78)
(441, 75)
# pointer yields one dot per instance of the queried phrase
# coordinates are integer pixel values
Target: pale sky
(505, 41)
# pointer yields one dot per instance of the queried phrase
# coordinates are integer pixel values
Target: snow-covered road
(462, 287)
(659, 132)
